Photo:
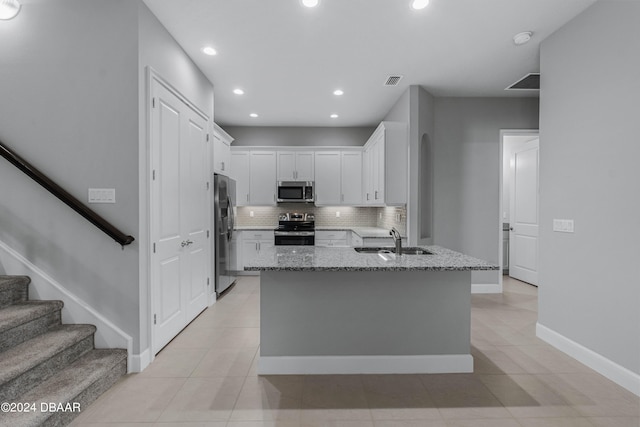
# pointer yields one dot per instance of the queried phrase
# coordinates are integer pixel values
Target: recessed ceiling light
(334, 116)
(238, 91)
(9, 9)
(310, 3)
(208, 50)
(338, 92)
(254, 115)
(522, 38)
(419, 4)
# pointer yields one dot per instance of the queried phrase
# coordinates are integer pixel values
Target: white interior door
(523, 239)
(179, 214)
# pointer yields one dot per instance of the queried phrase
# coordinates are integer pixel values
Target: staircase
(44, 362)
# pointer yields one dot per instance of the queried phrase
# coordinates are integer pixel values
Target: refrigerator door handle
(232, 218)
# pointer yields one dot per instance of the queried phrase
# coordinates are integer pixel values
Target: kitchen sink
(390, 250)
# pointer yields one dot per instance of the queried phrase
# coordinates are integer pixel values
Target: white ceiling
(289, 59)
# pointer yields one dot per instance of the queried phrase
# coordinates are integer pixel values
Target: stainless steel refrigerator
(224, 191)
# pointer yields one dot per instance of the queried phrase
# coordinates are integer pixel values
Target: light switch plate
(563, 225)
(102, 195)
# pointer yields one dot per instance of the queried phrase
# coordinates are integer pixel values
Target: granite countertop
(310, 258)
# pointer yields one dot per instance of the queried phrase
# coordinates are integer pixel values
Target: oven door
(296, 238)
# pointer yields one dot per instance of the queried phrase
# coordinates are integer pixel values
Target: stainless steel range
(296, 229)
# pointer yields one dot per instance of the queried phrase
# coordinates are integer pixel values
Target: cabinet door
(380, 171)
(351, 171)
(327, 171)
(262, 185)
(249, 251)
(240, 165)
(304, 166)
(221, 155)
(286, 165)
(366, 177)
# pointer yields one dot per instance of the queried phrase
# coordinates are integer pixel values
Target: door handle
(186, 243)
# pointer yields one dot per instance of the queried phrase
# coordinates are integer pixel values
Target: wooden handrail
(65, 197)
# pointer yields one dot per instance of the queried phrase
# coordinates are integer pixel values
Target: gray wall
(589, 151)
(300, 136)
(68, 91)
(158, 50)
(73, 103)
(466, 172)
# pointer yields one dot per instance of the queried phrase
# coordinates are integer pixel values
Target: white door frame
(146, 356)
(506, 133)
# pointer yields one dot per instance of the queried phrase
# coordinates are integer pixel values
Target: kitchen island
(337, 311)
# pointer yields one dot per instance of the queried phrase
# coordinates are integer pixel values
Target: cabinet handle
(222, 165)
(367, 196)
(376, 194)
(342, 197)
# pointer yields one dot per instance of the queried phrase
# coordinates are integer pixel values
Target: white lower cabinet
(332, 238)
(253, 242)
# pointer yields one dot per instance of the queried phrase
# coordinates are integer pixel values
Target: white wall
(589, 151)
(276, 136)
(467, 167)
(68, 104)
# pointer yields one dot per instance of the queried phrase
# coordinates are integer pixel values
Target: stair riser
(87, 396)
(25, 382)
(13, 295)
(28, 330)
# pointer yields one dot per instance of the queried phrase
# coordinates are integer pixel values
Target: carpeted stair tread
(13, 289)
(35, 351)
(82, 382)
(23, 312)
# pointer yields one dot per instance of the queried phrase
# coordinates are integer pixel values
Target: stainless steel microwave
(295, 192)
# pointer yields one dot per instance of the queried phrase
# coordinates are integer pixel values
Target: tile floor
(206, 377)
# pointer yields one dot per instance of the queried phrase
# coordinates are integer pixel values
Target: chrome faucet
(397, 239)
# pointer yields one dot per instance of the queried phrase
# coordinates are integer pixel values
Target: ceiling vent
(392, 80)
(529, 82)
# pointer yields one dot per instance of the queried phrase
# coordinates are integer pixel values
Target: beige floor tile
(398, 397)
(262, 423)
(79, 423)
(616, 421)
(203, 399)
(494, 361)
(334, 392)
(555, 422)
(269, 398)
(488, 422)
(196, 424)
(225, 362)
(135, 399)
(474, 412)
(174, 362)
(325, 422)
(410, 423)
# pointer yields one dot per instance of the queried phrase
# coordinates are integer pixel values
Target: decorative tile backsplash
(326, 216)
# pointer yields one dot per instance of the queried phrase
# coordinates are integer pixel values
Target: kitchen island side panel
(365, 313)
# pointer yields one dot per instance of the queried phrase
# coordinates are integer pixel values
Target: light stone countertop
(364, 232)
(311, 258)
(255, 227)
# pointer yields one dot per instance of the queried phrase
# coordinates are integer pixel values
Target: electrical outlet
(337, 214)
(251, 214)
(398, 218)
(102, 195)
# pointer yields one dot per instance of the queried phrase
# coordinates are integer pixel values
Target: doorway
(180, 260)
(519, 211)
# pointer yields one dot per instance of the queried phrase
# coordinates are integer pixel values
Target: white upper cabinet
(328, 182)
(338, 177)
(295, 166)
(262, 178)
(221, 151)
(240, 166)
(385, 169)
(351, 177)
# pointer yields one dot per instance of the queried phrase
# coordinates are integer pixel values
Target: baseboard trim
(616, 373)
(75, 310)
(486, 288)
(318, 365)
(140, 361)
